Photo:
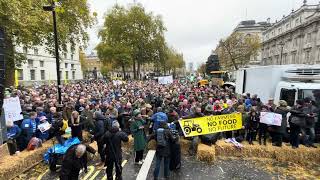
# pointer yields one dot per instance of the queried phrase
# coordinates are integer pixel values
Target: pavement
(191, 169)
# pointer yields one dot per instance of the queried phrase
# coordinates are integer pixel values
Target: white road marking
(91, 170)
(143, 173)
(221, 169)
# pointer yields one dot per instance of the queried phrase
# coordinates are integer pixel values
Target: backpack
(161, 139)
(34, 143)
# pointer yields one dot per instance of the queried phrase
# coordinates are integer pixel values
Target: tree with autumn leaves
(25, 23)
(132, 37)
(236, 50)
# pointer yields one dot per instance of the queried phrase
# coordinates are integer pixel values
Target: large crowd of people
(111, 111)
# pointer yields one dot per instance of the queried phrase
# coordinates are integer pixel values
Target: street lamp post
(52, 9)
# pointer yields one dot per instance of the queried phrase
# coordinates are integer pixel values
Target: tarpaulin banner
(271, 118)
(211, 124)
(165, 80)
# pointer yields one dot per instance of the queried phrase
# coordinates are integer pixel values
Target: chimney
(304, 2)
(268, 20)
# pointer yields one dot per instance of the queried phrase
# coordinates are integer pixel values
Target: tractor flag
(211, 124)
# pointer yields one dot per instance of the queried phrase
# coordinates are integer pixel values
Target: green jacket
(138, 134)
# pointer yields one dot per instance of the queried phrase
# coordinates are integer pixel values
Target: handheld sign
(44, 127)
(211, 124)
(271, 118)
(12, 109)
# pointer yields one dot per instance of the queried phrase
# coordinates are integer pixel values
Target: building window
(66, 65)
(73, 75)
(297, 21)
(287, 26)
(279, 30)
(295, 42)
(43, 75)
(30, 63)
(25, 50)
(60, 72)
(36, 51)
(72, 66)
(41, 63)
(307, 56)
(67, 75)
(20, 74)
(293, 60)
(308, 37)
(71, 57)
(32, 75)
(65, 55)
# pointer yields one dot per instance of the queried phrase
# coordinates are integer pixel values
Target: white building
(295, 39)
(251, 27)
(40, 66)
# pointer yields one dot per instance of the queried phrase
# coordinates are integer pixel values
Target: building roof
(252, 24)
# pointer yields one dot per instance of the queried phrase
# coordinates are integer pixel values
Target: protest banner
(211, 124)
(12, 109)
(165, 80)
(271, 118)
(44, 127)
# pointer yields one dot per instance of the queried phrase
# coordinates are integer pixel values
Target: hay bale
(206, 153)
(128, 146)
(185, 144)
(302, 155)
(227, 149)
(17, 164)
(4, 151)
(152, 145)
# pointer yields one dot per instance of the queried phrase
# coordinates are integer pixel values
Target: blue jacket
(13, 132)
(157, 118)
(28, 129)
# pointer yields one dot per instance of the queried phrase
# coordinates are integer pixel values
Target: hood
(99, 116)
(114, 130)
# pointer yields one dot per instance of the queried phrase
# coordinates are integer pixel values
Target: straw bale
(185, 144)
(14, 165)
(302, 155)
(152, 145)
(128, 146)
(206, 153)
(4, 151)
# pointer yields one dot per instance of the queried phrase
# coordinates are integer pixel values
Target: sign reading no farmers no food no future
(211, 124)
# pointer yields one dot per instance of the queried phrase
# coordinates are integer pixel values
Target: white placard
(12, 109)
(44, 127)
(165, 80)
(271, 118)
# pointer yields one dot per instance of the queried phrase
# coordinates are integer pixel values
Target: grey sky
(194, 27)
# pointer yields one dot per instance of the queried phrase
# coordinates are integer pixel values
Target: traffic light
(212, 63)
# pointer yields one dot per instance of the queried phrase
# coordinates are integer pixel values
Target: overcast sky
(194, 27)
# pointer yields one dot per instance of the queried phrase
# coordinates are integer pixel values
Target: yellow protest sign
(211, 124)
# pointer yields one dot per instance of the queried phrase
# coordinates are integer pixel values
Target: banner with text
(12, 109)
(165, 80)
(211, 124)
(271, 118)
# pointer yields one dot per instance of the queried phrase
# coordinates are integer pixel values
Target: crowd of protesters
(139, 108)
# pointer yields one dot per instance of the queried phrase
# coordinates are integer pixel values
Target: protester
(252, 126)
(99, 131)
(137, 130)
(308, 131)
(280, 131)
(76, 125)
(13, 131)
(163, 137)
(113, 139)
(29, 128)
(297, 121)
(263, 128)
(74, 160)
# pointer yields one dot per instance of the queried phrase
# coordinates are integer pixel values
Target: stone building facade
(295, 39)
(40, 66)
(251, 27)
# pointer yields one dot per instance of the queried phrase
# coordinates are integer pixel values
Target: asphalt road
(191, 169)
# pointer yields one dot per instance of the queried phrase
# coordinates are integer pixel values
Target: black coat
(113, 139)
(72, 165)
(283, 111)
(164, 151)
